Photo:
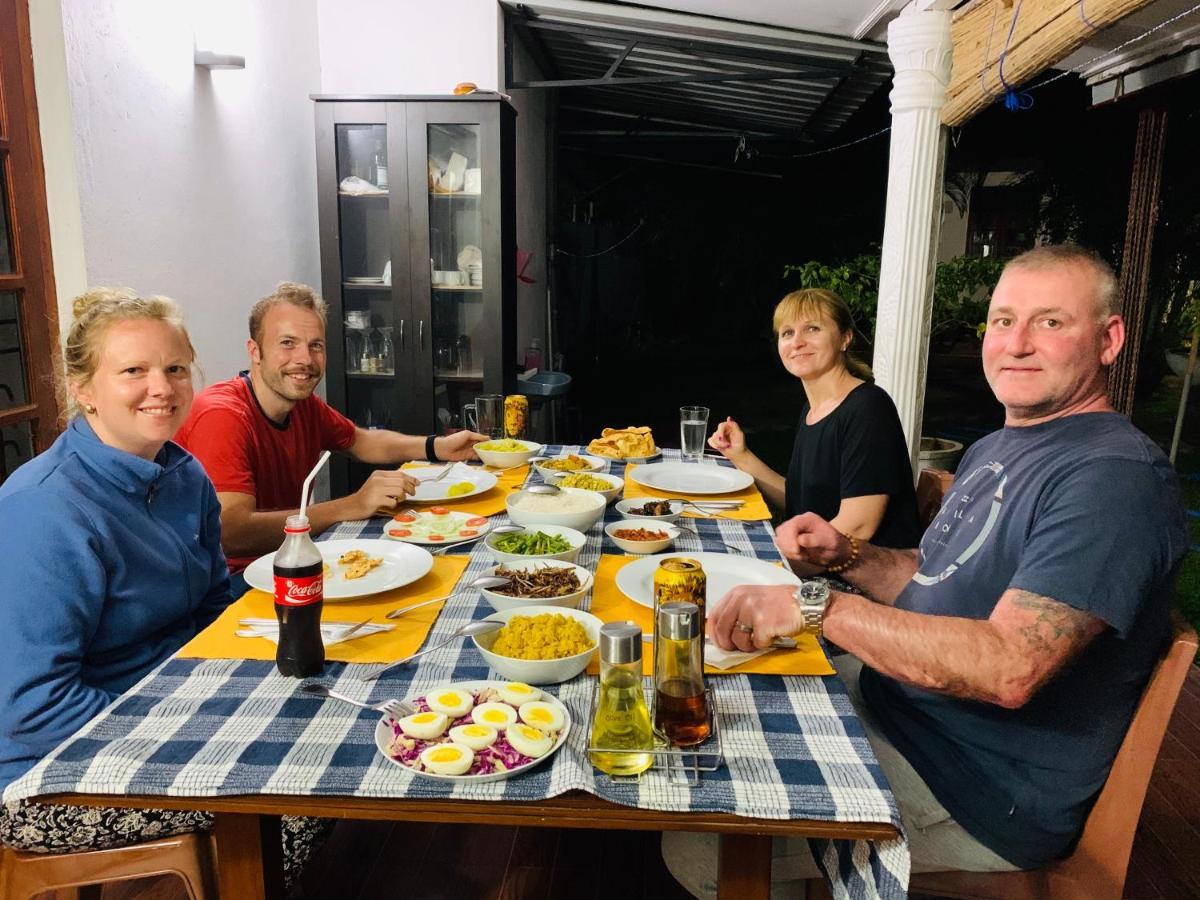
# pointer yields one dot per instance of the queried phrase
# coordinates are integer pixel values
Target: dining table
(234, 737)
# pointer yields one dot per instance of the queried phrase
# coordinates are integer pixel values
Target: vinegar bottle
(680, 702)
(622, 721)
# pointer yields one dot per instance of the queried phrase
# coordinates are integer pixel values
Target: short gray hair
(1055, 256)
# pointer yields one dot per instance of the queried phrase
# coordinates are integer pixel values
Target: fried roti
(623, 443)
(352, 556)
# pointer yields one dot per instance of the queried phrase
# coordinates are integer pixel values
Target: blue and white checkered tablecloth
(794, 747)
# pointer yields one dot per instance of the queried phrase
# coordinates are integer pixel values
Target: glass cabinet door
(369, 323)
(457, 275)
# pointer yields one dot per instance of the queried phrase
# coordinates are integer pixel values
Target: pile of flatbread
(624, 443)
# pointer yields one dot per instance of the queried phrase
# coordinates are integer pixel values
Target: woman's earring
(89, 409)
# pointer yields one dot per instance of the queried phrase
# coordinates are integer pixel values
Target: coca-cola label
(291, 591)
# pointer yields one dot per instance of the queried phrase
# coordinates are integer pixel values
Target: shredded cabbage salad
(499, 757)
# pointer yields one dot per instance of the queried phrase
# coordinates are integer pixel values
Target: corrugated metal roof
(697, 72)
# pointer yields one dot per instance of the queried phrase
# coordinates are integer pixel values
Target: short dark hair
(292, 292)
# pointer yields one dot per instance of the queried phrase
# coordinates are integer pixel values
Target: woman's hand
(728, 439)
(810, 539)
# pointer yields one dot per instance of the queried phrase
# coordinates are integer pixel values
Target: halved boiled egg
(475, 736)
(447, 759)
(498, 715)
(424, 725)
(450, 702)
(518, 692)
(542, 716)
(529, 741)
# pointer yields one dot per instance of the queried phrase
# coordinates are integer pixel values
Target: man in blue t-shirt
(1002, 661)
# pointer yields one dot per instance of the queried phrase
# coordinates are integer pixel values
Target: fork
(393, 708)
(442, 474)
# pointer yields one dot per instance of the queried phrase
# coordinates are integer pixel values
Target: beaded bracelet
(850, 560)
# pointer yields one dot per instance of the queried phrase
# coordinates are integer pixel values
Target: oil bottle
(622, 720)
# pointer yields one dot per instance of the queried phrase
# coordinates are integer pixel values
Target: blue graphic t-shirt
(1084, 510)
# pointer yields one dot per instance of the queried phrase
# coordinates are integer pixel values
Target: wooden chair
(931, 488)
(1096, 869)
(187, 856)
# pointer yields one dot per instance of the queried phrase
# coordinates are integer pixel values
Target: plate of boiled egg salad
(475, 731)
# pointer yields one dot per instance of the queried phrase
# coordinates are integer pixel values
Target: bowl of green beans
(536, 542)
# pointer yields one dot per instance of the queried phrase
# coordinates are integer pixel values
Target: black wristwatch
(813, 598)
(430, 454)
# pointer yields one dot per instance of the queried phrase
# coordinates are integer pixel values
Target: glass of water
(693, 427)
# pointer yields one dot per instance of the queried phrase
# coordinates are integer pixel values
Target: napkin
(220, 641)
(753, 509)
(331, 632)
(355, 185)
(610, 605)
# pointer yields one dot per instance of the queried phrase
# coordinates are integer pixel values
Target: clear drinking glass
(693, 426)
(490, 411)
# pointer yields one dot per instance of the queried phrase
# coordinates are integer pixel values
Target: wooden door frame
(33, 278)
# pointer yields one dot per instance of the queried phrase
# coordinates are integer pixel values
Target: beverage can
(299, 578)
(516, 415)
(680, 580)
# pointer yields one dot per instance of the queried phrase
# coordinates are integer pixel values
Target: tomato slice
(400, 532)
(437, 537)
(404, 517)
(439, 510)
(476, 521)
(468, 532)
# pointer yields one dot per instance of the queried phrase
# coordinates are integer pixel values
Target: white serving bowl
(539, 671)
(597, 464)
(616, 483)
(503, 459)
(580, 521)
(576, 538)
(501, 602)
(625, 507)
(643, 547)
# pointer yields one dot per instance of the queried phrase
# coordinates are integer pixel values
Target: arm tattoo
(1058, 629)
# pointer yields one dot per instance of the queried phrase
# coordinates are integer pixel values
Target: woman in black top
(850, 463)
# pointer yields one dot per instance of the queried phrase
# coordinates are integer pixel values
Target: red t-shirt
(244, 452)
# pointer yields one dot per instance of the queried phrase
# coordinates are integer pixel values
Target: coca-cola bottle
(299, 596)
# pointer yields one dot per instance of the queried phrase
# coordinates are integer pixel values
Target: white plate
(597, 463)
(401, 565)
(691, 478)
(723, 570)
(365, 279)
(383, 736)
(435, 491)
(454, 520)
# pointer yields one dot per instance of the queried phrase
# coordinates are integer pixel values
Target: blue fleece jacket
(111, 563)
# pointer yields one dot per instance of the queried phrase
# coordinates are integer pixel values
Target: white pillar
(920, 48)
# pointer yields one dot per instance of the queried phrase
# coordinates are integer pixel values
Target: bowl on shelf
(642, 547)
(539, 671)
(500, 602)
(587, 507)
(576, 539)
(507, 459)
(626, 509)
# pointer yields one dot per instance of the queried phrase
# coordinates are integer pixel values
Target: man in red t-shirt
(258, 435)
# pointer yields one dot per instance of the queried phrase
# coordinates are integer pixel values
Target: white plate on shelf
(429, 491)
(384, 734)
(722, 570)
(365, 279)
(691, 478)
(401, 565)
(428, 527)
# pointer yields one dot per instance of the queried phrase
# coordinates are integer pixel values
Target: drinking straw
(308, 482)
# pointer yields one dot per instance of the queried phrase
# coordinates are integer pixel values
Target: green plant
(961, 291)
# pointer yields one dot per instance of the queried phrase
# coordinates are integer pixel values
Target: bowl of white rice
(572, 507)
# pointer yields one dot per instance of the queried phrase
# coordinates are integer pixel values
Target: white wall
(195, 184)
(409, 47)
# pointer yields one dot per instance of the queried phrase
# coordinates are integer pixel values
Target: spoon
(543, 489)
(468, 630)
(490, 581)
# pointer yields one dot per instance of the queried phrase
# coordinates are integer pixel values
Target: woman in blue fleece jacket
(113, 561)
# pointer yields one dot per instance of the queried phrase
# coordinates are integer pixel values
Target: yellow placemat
(753, 509)
(488, 503)
(218, 640)
(610, 605)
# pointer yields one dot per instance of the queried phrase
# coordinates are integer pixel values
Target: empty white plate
(691, 478)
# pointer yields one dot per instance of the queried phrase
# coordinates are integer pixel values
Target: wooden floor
(368, 860)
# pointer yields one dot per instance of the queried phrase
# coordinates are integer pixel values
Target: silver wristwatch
(812, 597)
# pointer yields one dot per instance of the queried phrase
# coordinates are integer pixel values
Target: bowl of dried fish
(538, 583)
